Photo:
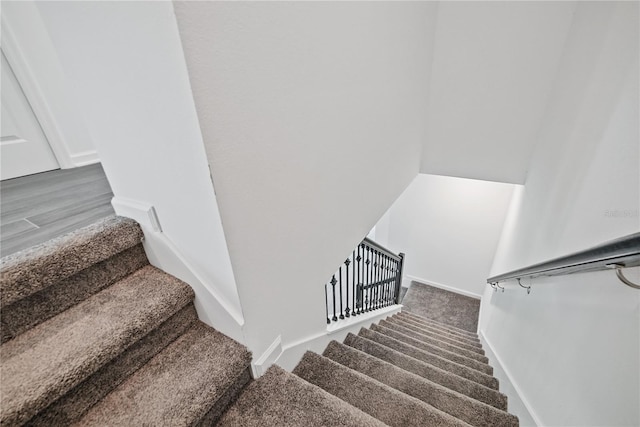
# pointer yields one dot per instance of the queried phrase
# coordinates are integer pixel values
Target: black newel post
(399, 277)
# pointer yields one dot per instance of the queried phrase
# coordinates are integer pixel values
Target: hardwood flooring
(36, 208)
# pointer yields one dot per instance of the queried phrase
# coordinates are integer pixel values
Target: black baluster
(354, 288)
(360, 269)
(326, 304)
(370, 281)
(385, 271)
(366, 289)
(383, 284)
(388, 281)
(340, 277)
(377, 288)
(333, 284)
(374, 278)
(346, 271)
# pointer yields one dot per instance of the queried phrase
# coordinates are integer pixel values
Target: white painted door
(24, 148)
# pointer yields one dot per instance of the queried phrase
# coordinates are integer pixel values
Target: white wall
(448, 229)
(494, 64)
(313, 118)
(34, 59)
(128, 71)
(572, 346)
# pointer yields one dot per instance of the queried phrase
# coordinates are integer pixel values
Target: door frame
(38, 101)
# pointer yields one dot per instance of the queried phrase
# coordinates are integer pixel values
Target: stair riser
(438, 325)
(77, 401)
(464, 339)
(444, 378)
(434, 343)
(28, 312)
(476, 348)
(467, 409)
(370, 396)
(383, 335)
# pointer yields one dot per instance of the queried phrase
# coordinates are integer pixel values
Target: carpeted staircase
(404, 371)
(94, 335)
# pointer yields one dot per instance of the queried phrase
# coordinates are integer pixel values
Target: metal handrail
(381, 248)
(620, 253)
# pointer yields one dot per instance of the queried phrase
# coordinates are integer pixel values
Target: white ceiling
(494, 65)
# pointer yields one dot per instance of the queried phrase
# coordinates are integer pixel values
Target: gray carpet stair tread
(178, 386)
(385, 403)
(441, 332)
(30, 311)
(423, 321)
(428, 371)
(426, 336)
(463, 407)
(386, 336)
(434, 342)
(33, 269)
(279, 399)
(45, 362)
(75, 403)
(437, 324)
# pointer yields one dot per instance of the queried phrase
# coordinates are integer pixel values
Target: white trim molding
(293, 351)
(260, 365)
(85, 158)
(212, 308)
(518, 403)
(338, 326)
(442, 286)
(33, 92)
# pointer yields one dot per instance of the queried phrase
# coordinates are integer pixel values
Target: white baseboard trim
(270, 355)
(143, 213)
(518, 403)
(212, 308)
(85, 158)
(293, 351)
(334, 327)
(445, 287)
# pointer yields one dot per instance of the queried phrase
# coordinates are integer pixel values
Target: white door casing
(24, 148)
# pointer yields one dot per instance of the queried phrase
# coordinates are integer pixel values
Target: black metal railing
(368, 280)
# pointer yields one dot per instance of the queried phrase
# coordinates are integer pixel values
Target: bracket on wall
(528, 288)
(621, 276)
